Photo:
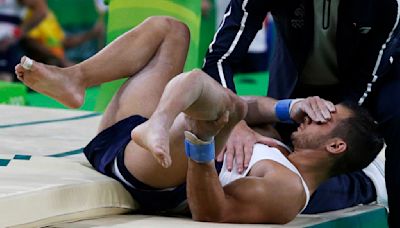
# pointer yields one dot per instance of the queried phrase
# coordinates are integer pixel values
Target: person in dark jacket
(338, 50)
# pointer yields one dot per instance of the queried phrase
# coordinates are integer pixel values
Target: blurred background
(63, 33)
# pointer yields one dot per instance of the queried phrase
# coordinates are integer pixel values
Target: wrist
(282, 110)
(198, 150)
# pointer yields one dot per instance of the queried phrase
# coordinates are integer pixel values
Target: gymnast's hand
(318, 109)
(206, 129)
(239, 146)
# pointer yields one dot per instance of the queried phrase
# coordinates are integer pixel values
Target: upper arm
(274, 199)
(34, 4)
(240, 24)
(38, 9)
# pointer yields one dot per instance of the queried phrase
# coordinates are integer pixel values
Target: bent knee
(239, 107)
(171, 26)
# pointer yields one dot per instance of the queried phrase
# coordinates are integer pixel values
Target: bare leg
(140, 95)
(126, 56)
(198, 96)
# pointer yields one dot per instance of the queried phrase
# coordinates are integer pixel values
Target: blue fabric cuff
(200, 153)
(282, 110)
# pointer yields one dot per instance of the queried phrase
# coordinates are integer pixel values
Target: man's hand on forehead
(316, 108)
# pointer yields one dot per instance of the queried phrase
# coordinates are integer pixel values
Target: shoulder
(284, 192)
(269, 199)
(288, 190)
(280, 182)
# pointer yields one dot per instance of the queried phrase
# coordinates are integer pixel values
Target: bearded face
(308, 140)
(312, 135)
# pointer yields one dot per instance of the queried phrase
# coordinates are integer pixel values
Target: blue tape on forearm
(282, 110)
(200, 153)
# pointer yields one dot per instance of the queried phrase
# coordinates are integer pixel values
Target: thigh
(141, 93)
(142, 165)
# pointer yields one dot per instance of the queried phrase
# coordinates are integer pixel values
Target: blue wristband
(282, 110)
(200, 153)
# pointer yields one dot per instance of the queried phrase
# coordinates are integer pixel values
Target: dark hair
(364, 142)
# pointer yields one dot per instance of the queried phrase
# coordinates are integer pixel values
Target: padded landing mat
(45, 180)
(44, 176)
(361, 216)
(46, 132)
(38, 191)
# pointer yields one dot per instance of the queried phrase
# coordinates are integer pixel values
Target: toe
(166, 161)
(19, 68)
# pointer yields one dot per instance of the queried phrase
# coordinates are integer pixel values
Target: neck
(312, 166)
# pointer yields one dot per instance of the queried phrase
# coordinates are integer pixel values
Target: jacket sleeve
(242, 20)
(374, 49)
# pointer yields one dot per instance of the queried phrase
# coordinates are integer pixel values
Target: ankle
(76, 76)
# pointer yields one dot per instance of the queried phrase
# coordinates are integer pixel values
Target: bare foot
(52, 81)
(155, 138)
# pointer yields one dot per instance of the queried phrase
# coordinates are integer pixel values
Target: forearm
(39, 11)
(261, 110)
(75, 40)
(206, 196)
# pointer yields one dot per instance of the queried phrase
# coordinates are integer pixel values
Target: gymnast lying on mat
(179, 123)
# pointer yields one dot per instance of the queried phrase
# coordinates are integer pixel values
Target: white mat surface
(44, 176)
(40, 131)
(44, 190)
(127, 221)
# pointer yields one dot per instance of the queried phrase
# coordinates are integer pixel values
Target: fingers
(239, 158)
(317, 111)
(206, 129)
(238, 155)
(239, 147)
(268, 141)
(230, 152)
(330, 105)
(316, 108)
(220, 155)
(165, 160)
(325, 107)
(248, 151)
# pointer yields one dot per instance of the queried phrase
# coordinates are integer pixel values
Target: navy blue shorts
(109, 146)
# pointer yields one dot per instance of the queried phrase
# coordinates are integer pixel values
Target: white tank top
(261, 152)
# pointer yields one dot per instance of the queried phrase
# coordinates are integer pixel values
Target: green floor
(39, 100)
(252, 84)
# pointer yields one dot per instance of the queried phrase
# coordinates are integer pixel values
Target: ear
(336, 146)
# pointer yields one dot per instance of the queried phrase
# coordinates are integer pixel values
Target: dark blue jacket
(367, 45)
